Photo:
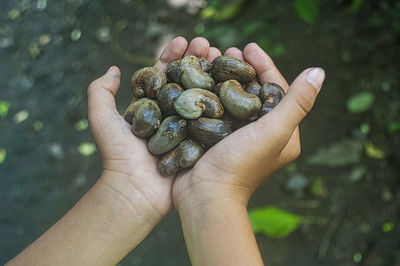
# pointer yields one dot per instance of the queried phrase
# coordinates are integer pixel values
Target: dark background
(346, 180)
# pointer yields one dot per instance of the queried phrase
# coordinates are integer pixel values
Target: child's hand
(235, 167)
(129, 169)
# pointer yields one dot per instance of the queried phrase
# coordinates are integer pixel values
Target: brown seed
(193, 103)
(239, 103)
(271, 94)
(209, 131)
(170, 133)
(167, 96)
(184, 156)
(226, 67)
(147, 82)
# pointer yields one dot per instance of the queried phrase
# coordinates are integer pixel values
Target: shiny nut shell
(193, 103)
(170, 133)
(145, 117)
(174, 71)
(239, 103)
(193, 76)
(209, 131)
(271, 94)
(147, 82)
(253, 87)
(184, 156)
(167, 96)
(226, 67)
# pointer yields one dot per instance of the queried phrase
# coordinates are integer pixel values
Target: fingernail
(316, 76)
(111, 70)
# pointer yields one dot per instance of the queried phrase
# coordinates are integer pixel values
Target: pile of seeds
(194, 106)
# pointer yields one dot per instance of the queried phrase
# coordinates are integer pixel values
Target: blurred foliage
(373, 152)
(318, 188)
(3, 155)
(273, 222)
(387, 227)
(81, 125)
(307, 10)
(4, 107)
(87, 149)
(360, 102)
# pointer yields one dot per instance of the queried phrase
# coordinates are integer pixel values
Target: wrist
(130, 196)
(198, 196)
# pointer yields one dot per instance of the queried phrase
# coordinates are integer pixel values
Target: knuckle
(304, 102)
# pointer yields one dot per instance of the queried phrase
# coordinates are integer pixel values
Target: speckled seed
(147, 82)
(271, 94)
(226, 67)
(205, 64)
(253, 87)
(167, 96)
(193, 76)
(208, 130)
(146, 117)
(170, 133)
(239, 103)
(129, 113)
(217, 87)
(193, 103)
(174, 71)
(184, 156)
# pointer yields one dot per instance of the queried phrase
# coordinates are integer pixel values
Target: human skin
(131, 197)
(211, 198)
(128, 200)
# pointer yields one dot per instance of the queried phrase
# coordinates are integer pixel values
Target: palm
(238, 161)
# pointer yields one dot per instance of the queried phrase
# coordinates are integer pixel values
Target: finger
(297, 103)
(265, 67)
(213, 53)
(101, 101)
(174, 50)
(234, 52)
(198, 47)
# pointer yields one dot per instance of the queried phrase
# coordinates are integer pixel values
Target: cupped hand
(236, 166)
(129, 169)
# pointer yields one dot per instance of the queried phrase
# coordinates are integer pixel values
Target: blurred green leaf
(360, 102)
(273, 222)
(87, 149)
(318, 188)
(208, 12)
(37, 125)
(341, 153)
(387, 227)
(3, 155)
(229, 11)
(355, 5)
(81, 125)
(376, 20)
(272, 49)
(373, 152)
(4, 107)
(307, 10)
(394, 126)
(251, 27)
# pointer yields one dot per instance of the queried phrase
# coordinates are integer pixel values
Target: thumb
(297, 103)
(101, 101)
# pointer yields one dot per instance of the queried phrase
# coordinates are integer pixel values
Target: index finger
(174, 50)
(265, 67)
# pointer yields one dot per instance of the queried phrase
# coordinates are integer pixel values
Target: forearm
(102, 228)
(219, 233)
